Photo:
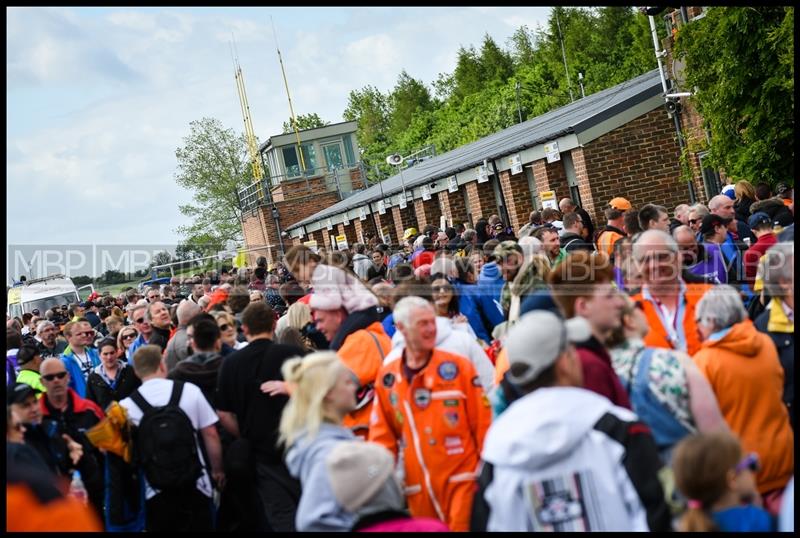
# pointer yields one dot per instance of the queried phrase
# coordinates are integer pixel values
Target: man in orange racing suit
(431, 409)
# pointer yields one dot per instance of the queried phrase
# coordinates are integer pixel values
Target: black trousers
(179, 511)
(280, 495)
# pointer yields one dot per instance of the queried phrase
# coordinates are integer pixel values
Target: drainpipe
(506, 216)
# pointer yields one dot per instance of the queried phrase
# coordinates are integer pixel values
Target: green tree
(82, 280)
(740, 63)
(370, 109)
(213, 164)
(304, 121)
(409, 98)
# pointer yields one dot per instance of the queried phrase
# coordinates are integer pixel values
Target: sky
(99, 99)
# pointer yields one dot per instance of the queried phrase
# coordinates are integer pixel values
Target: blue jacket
(388, 325)
(491, 281)
(478, 305)
(77, 379)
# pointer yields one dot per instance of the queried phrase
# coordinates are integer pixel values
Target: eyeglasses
(224, 327)
(51, 377)
(128, 336)
(749, 462)
(693, 221)
(140, 320)
(443, 289)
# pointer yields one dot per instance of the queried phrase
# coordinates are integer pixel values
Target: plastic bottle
(77, 489)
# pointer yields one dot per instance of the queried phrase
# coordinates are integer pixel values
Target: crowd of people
(631, 375)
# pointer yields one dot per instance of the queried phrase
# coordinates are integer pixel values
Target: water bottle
(77, 489)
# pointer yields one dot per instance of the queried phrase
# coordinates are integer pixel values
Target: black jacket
(201, 369)
(159, 338)
(571, 242)
(587, 222)
(776, 210)
(785, 344)
(372, 272)
(101, 393)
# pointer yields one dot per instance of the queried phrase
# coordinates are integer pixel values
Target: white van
(43, 294)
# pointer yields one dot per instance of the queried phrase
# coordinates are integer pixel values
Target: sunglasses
(129, 336)
(224, 327)
(51, 377)
(749, 462)
(140, 320)
(693, 221)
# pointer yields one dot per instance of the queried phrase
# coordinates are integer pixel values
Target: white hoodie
(455, 341)
(556, 469)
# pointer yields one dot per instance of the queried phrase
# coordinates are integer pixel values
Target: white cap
(357, 470)
(538, 339)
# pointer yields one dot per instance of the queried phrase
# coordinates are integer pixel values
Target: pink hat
(423, 271)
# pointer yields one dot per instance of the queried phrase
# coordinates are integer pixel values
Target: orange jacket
(361, 354)
(657, 337)
(746, 375)
(501, 366)
(607, 238)
(26, 512)
(439, 422)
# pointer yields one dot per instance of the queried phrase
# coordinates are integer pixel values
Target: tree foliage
(304, 121)
(214, 165)
(740, 61)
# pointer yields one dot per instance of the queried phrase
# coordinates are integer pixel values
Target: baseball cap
(506, 248)
(357, 471)
(758, 218)
(538, 339)
(711, 221)
(409, 233)
(620, 204)
(729, 191)
(19, 393)
(781, 188)
(499, 227)
(35, 311)
(87, 304)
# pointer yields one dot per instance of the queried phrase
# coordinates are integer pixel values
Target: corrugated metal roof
(572, 118)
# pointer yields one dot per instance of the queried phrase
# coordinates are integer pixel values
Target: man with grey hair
(777, 320)
(47, 341)
(742, 366)
(734, 246)
(414, 394)
(680, 216)
(668, 302)
(361, 262)
(567, 205)
(178, 345)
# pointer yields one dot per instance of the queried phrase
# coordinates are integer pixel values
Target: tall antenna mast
(252, 143)
(564, 54)
(288, 95)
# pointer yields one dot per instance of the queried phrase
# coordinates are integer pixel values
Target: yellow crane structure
(250, 136)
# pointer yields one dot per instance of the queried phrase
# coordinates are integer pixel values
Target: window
(292, 160)
(348, 150)
(711, 181)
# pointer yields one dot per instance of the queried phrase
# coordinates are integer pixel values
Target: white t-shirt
(157, 393)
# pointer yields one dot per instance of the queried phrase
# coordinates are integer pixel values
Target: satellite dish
(394, 160)
(679, 72)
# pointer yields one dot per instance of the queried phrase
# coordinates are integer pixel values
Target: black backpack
(166, 445)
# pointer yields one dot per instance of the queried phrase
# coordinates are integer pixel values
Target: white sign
(312, 245)
(483, 174)
(362, 213)
(516, 164)
(426, 192)
(341, 242)
(333, 242)
(345, 220)
(551, 151)
(381, 207)
(452, 184)
(548, 199)
(329, 224)
(402, 201)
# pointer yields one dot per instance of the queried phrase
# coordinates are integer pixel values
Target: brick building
(617, 142)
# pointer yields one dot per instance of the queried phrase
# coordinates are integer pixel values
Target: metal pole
(564, 54)
(580, 81)
(659, 54)
(276, 216)
(519, 110)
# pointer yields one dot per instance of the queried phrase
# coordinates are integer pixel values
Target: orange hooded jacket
(746, 375)
(438, 423)
(363, 352)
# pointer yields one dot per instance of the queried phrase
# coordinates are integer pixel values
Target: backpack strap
(139, 400)
(378, 345)
(177, 390)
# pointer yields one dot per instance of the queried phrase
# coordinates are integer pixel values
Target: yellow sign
(548, 199)
(341, 242)
(311, 244)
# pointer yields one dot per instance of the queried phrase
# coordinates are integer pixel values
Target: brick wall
(589, 203)
(427, 212)
(550, 177)
(638, 161)
(517, 196)
(403, 218)
(482, 201)
(453, 206)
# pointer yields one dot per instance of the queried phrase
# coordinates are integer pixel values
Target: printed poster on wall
(452, 184)
(329, 225)
(345, 220)
(483, 174)
(362, 213)
(381, 207)
(312, 245)
(516, 164)
(551, 151)
(341, 242)
(403, 202)
(548, 199)
(426, 193)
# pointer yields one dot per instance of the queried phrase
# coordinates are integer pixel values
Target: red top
(599, 375)
(754, 253)
(424, 257)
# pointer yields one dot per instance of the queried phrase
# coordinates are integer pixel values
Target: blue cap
(729, 191)
(539, 300)
(759, 218)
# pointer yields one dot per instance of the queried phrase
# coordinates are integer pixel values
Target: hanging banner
(362, 213)
(551, 151)
(483, 174)
(516, 164)
(381, 207)
(426, 192)
(452, 184)
(329, 224)
(548, 199)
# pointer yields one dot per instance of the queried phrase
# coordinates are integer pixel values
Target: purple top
(713, 264)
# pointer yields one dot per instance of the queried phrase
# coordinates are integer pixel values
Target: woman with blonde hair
(745, 195)
(297, 328)
(322, 391)
(227, 328)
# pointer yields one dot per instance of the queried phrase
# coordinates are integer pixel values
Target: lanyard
(675, 330)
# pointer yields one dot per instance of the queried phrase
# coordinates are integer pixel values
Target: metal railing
(258, 193)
